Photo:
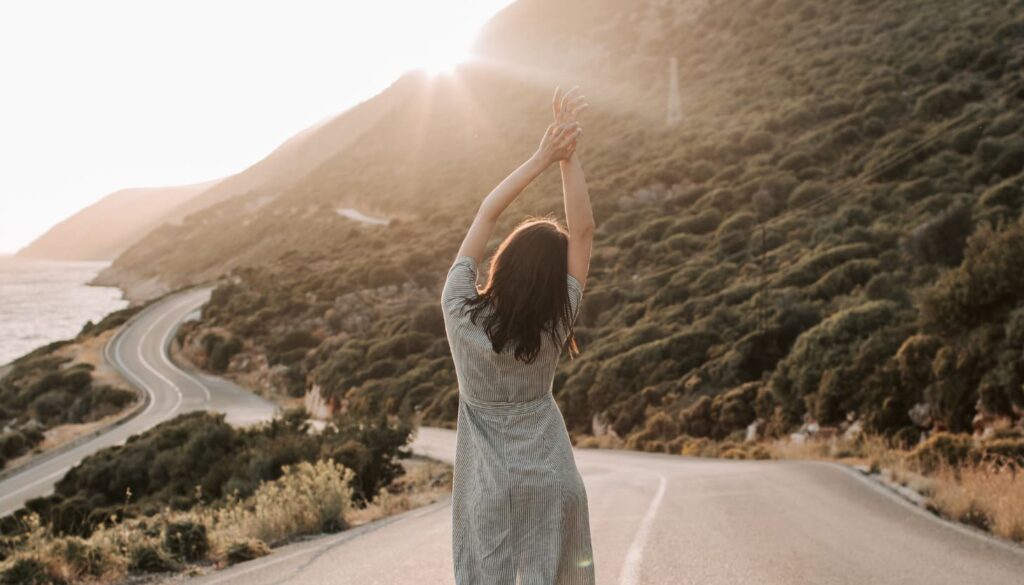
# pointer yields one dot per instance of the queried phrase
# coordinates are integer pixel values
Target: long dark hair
(527, 291)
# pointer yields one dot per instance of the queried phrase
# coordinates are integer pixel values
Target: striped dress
(519, 507)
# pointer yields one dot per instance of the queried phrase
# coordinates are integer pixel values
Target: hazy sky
(101, 95)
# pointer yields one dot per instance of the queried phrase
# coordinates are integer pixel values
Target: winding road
(655, 519)
(139, 352)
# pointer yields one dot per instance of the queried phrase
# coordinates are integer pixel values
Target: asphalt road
(139, 352)
(662, 519)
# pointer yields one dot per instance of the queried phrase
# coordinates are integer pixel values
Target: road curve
(139, 352)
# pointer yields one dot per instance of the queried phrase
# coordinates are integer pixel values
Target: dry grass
(988, 494)
(308, 499)
(810, 449)
(608, 441)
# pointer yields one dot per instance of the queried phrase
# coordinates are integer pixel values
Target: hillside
(113, 224)
(242, 198)
(832, 232)
(105, 229)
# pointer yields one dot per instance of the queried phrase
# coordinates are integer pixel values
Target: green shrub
(1005, 450)
(82, 558)
(399, 346)
(295, 340)
(222, 353)
(77, 378)
(1007, 193)
(13, 444)
(654, 230)
(1009, 162)
(811, 267)
(757, 141)
(696, 421)
(428, 319)
(796, 161)
(941, 240)
(844, 278)
(658, 429)
(986, 283)
(819, 351)
(941, 101)
(807, 193)
(149, 558)
(29, 571)
(916, 190)
(186, 541)
(706, 222)
(944, 449)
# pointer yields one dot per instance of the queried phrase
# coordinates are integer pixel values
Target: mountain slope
(110, 226)
(237, 200)
(828, 234)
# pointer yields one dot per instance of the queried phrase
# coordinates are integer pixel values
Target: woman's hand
(567, 108)
(558, 142)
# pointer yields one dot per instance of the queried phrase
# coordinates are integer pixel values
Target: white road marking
(169, 364)
(115, 357)
(630, 574)
(147, 365)
(35, 483)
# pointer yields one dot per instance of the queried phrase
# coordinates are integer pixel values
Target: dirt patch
(90, 351)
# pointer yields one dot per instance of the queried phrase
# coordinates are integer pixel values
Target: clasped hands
(560, 138)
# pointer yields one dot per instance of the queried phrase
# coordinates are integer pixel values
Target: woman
(519, 507)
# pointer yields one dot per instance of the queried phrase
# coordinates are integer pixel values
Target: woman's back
(484, 375)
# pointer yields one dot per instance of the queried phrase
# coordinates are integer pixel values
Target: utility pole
(674, 115)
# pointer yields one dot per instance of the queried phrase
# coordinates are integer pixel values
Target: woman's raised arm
(579, 218)
(558, 141)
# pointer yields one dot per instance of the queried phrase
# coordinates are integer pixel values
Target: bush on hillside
(198, 458)
(986, 284)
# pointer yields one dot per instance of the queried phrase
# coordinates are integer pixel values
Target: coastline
(136, 291)
(89, 350)
(48, 301)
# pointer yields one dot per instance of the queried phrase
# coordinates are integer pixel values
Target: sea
(42, 301)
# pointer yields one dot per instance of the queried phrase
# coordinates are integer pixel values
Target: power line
(674, 115)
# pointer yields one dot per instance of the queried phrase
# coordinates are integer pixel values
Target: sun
(436, 37)
(443, 55)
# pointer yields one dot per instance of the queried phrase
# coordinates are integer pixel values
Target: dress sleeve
(459, 284)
